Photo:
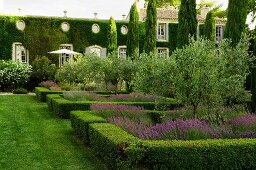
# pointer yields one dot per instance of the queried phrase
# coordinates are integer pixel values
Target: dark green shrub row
(202, 154)
(120, 150)
(41, 93)
(110, 142)
(80, 121)
(20, 91)
(49, 98)
(62, 107)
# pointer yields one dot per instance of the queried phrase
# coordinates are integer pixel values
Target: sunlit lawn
(32, 138)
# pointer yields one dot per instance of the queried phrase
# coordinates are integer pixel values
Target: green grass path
(31, 138)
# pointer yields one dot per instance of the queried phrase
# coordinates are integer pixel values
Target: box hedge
(80, 121)
(41, 93)
(121, 150)
(201, 154)
(62, 107)
(110, 142)
(49, 98)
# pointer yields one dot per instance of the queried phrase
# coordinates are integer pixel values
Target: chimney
(204, 11)
(124, 17)
(95, 15)
(65, 13)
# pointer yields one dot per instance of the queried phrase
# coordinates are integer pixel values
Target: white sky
(75, 8)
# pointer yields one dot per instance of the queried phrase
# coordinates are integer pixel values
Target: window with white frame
(20, 53)
(64, 58)
(96, 50)
(219, 32)
(162, 32)
(122, 51)
(163, 52)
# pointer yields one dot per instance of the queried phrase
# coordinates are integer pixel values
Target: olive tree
(208, 75)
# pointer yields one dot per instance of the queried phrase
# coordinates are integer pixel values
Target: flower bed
(62, 107)
(120, 150)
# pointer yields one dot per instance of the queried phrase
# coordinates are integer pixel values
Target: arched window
(97, 50)
(20, 53)
(65, 57)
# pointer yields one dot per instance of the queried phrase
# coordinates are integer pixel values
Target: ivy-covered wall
(44, 34)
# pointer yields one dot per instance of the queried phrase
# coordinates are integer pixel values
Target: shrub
(49, 98)
(43, 69)
(13, 74)
(81, 96)
(20, 91)
(199, 154)
(155, 75)
(80, 121)
(62, 107)
(41, 93)
(109, 142)
(133, 97)
(244, 126)
(50, 85)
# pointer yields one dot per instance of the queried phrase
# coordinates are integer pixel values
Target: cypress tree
(187, 22)
(209, 26)
(133, 33)
(253, 72)
(151, 24)
(237, 14)
(112, 36)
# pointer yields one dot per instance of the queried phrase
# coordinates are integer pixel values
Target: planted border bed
(120, 150)
(41, 93)
(62, 107)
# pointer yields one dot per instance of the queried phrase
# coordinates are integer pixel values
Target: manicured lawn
(32, 138)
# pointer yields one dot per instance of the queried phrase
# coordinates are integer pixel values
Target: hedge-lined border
(41, 93)
(49, 98)
(62, 107)
(80, 121)
(120, 150)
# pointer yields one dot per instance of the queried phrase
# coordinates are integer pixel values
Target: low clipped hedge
(121, 150)
(41, 93)
(201, 154)
(80, 121)
(49, 98)
(110, 142)
(62, 107)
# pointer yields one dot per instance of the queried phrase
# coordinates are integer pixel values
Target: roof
(171, 14)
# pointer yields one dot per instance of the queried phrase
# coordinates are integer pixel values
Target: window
(20, 53)
(65, 57)
(65, 26)
(95, 28)
(124, 30)
(163, 52)
(162, 32)
(20, 25)
(219, 33)
(97, 50)
(122, 51)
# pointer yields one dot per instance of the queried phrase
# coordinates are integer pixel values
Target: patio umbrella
(64, 51)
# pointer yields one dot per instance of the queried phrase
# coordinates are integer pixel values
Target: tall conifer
(112, 36)
(237, 14)
(151, 24)
(187, 22)
(133, 32)
(209, 27)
